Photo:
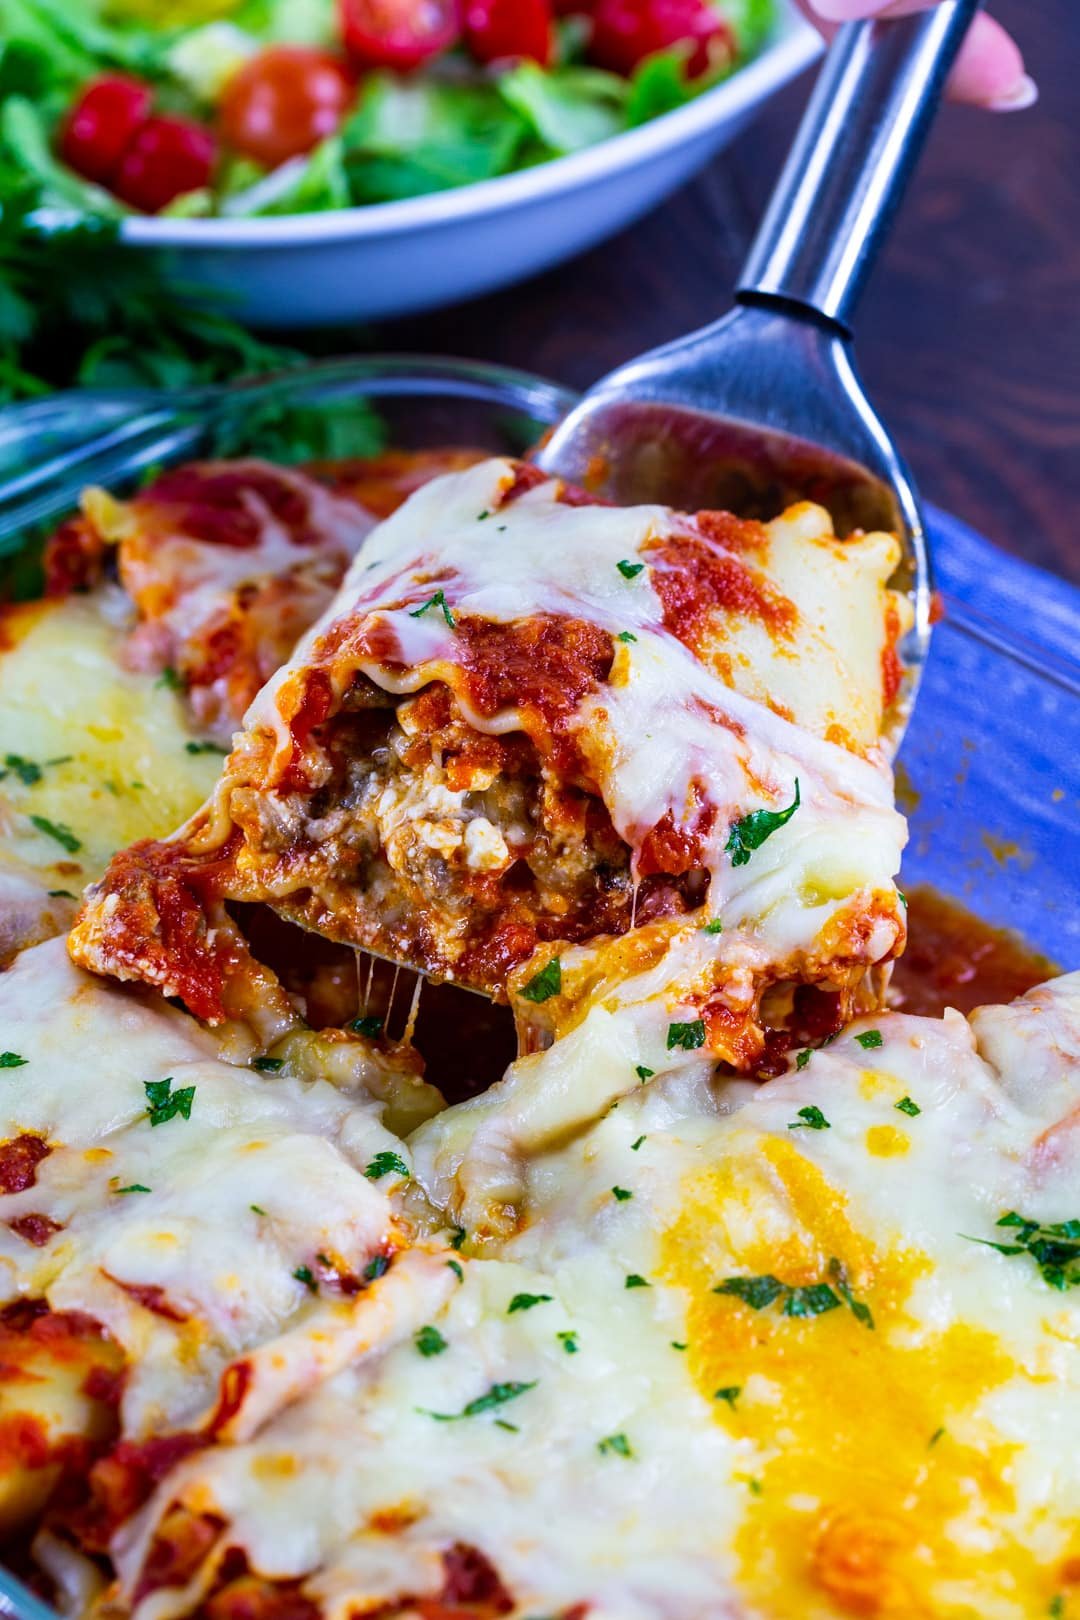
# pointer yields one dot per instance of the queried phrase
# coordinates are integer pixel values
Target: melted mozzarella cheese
(541, 555)
(110, 743)
(184, 1239)
(884, 1427)
(185, 582)
(673, 738)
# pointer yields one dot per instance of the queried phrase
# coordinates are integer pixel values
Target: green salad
(197, 108)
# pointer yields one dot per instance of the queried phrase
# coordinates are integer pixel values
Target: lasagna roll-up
(528, 719)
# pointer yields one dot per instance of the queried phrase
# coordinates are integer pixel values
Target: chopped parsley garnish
(906, 1106)
(439, 601)
(511, 1428)
(615, 1445)
(716, 926)
(858, 1309)
(26, 770)
(12, 1060)
(802, 1058)
(256, 1209)
(525, 1302)
(1054, 1248)
(169, 678)
(429, 1341)
(811, 1119)
(568, 1341)
(729, 1393)
(268, 1065)
(626, 635)
(385, 1162)
(750, 832)
(934, 1438)
(757, 1292)
(870, 1040)
(496, 1396)
(643, 1073)
(202, 748)
(689, 1036)
(677, 1344)
(163, 1103)
(458, 1238)
(545, 984)
(305, 1275)
(636, 1281)
(621, 1193)
(629, 570)
(370, 1026)
(635, 1145)
(455, 1267)
(1056, 1611)
(136, 1187)
(62, 894)
(482, 515)
(901, 896)
(814, 1299)
(56, 829)
(377, 1267)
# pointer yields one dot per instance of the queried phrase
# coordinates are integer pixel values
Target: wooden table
(969, 339)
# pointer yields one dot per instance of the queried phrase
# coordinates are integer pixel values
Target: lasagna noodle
(737, 1358)
(222, 1221)
(228, 562)
(527, 720)
(119, 698)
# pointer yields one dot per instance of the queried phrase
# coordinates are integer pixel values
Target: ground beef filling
(451, 850)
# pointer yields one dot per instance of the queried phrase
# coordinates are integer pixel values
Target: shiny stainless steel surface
(766, 404)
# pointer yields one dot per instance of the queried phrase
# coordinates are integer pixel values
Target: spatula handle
(856, 148)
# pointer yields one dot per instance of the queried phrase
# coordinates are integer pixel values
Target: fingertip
(990, 69)
(840, 11)
(1024, 94)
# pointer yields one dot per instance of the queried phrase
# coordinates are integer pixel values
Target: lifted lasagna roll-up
(530, 719)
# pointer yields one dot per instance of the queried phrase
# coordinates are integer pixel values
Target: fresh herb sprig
(1055, 1248)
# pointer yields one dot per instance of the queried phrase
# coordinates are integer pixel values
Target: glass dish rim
(144, 426)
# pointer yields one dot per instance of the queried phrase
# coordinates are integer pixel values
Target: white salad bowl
(395, 258)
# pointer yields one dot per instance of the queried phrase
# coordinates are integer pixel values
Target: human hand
(989, 71)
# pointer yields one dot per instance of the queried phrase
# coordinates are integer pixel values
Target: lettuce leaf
(291, 22)
(568, 108)
(71, 43)
(411, 136)
(660, 84)
(305, 185)
(752, 22)
(25, 154)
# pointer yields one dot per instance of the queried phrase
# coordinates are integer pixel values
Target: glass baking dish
(989, 772)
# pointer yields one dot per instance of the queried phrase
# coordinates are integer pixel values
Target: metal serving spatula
(765, 406)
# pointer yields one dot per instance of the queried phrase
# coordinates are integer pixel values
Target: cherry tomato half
(164, 158)
(626, 31)
(497, 29)
(283, 101)
(101, 123)
(398, 34)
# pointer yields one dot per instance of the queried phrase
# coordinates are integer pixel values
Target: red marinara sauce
(953, 959)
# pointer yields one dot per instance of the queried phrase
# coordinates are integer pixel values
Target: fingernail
(1025, 93)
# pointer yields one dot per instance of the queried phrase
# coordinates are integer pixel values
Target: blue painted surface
(993, 752)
